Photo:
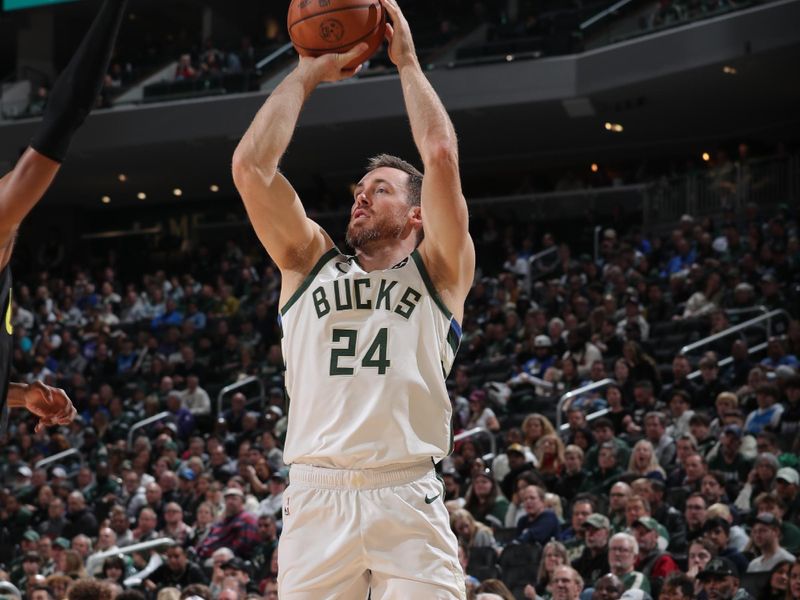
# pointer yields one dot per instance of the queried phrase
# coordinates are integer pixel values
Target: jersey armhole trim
(426, 278)
(309, 278)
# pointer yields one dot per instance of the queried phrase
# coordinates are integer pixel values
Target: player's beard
(378, 227)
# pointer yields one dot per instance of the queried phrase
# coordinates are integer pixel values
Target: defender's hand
(398, 34)
(51, 405)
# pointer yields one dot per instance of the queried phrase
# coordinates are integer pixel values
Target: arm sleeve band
(76, 89)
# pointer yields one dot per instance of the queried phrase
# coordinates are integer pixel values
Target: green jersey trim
(309, 278)
(429, 283)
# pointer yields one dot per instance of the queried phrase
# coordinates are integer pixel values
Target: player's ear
(415, 215)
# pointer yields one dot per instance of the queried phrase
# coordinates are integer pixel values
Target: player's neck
(380, 256)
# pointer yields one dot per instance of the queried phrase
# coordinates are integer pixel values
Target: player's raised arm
(292, 240)
(447, 247)
(70, 101)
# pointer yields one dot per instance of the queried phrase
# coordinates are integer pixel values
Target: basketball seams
(348, 44)
(335, 10)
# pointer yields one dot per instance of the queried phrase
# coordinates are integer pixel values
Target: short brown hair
(89, 589)
(414, 184)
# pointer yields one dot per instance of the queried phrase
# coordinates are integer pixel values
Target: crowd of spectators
(685, 487)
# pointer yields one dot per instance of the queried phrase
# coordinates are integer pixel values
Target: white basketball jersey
(366, 356)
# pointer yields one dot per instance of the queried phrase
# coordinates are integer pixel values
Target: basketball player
(73, 95)
(368, 341)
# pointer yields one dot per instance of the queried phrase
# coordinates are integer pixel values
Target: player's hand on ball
(51, 405)
(398, 34)
(331, 67)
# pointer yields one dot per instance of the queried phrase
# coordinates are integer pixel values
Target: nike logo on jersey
(429, 500)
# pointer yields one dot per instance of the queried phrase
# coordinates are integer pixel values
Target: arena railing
(58, 457)
(262, 396)
(144, 423)
(537, 268)
(571, 395)
(765, 182)
(767, 318)
(726, 361)
(475, 431)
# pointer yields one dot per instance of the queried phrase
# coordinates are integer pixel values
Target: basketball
(318, 27)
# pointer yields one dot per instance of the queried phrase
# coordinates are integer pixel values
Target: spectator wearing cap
(519, 460)
(728, 459)
(45, 548)
(653, 563)
(273, 503)
(237, 530)
(239, 570)
(484, 499)
(27, 543)
(633, 316)
(584, 352)
(31, 565)
(717, 531)
(772, 503)
(623, 550)
(542, 360)
(56, 519)
(538, 524)
(603, 430)
(177, 571)
(765, 535)
(186, 494)
(787, 487)
(719, 580)
(673, 522)
(593, 561)
(769, 411)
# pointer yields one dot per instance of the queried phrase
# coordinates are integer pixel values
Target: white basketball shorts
(348, 532)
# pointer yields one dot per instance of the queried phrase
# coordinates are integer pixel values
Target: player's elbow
(247, 172)
(441, 153)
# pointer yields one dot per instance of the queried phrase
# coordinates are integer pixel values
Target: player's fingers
(390, 7)
(389, 33)
(353, 53)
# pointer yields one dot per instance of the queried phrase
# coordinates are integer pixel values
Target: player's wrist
(409, 61)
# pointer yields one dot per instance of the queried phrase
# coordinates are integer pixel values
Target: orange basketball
(319, 27)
